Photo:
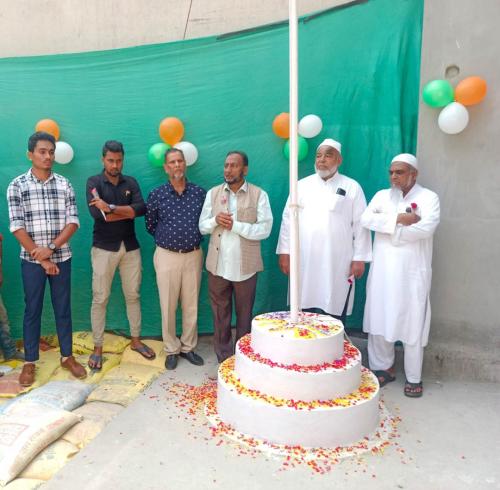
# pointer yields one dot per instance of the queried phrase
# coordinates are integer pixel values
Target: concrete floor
(448, 440)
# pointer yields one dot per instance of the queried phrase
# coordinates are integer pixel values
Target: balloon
(190, 151)
(310, 126)
(49, 126)
(156, 154)
(281, 125)
(438, 93)
(171, 130)
(303, 148)
(453, 118)
(470, 91)
(64, 153)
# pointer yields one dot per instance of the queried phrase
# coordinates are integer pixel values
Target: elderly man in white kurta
(404, 219)
(333, 244)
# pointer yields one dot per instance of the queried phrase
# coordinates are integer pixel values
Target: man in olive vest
(238, 216)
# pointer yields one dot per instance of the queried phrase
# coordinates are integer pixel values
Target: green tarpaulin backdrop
(358, 70)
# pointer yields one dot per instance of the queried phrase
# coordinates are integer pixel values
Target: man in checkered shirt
(43, 217)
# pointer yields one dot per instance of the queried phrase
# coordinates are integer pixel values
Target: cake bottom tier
(329, 423)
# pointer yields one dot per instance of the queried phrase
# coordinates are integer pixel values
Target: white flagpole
(294, 221)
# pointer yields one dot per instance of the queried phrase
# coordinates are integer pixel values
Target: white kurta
(331, 237)
(397, 295)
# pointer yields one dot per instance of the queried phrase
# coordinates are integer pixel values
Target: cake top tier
(314, 339)
(308, 326)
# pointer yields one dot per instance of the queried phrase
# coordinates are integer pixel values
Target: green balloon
(438, 93)
(156, 154)
(303, 148)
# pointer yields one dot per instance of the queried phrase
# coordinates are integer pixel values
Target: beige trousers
(178, 277)
(104, 264)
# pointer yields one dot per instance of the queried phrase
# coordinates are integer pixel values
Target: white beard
(326, 174)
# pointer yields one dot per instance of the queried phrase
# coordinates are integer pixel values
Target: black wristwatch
(52, 246)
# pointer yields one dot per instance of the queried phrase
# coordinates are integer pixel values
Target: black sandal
(414, 390)
(384, 377)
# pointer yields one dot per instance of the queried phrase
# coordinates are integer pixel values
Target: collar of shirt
(171, 189)
(243, 188)
(331, 181)
(105, 178)
(34, 178)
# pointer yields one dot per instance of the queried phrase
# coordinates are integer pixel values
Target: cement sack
(63, 395)
(130, 356)
(26, 431)
(9, 384)
(109, 361)
(83, 342)
(124, 383)
(50, 460)
(96, 415)
(24, 484)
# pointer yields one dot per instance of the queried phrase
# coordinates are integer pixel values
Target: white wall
(464, 170)
(34, 27)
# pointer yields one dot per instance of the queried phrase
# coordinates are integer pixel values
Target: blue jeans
(34, 280)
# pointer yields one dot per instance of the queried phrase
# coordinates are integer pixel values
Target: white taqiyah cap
(332, 143)
(406, 158)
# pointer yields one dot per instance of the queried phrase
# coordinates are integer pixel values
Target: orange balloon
(471, 90)
(281, 125)
(171, 130)
(49, 126)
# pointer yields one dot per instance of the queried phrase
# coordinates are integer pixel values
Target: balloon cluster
(171, 131)
(454, 117)
(64, 153)
(309, 127)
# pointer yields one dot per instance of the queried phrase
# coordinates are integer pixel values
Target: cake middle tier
(313, 339)
(323, 381)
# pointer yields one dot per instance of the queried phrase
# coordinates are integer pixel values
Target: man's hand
(225, 220)
(51, 269)
(407, 219)
(41, 253)
(357, 268)
(284, 263)
(100, 204)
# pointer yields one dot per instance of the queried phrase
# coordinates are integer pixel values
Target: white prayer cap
(406, 158)
(334, 144)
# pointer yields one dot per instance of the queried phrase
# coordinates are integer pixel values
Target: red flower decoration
(414, 205)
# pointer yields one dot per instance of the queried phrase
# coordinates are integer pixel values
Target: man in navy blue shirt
(172, 215)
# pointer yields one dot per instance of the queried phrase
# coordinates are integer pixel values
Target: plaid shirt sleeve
(16, 215)
(71, 209)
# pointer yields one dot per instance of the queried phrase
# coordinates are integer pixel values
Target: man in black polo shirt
(173, 212)
(115, 200)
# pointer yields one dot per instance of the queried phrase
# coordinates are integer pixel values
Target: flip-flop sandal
(414, 390)
(384, 377)
(145, 352)
(96, 360)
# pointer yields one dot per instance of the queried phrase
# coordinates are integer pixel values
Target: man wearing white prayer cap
(404, 218)
(333, 244)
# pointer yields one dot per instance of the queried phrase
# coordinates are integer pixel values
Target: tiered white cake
(298, 384)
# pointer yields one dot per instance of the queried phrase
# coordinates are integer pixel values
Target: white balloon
(190, 151)
(64, 153)
(453, 118)
(310, 126)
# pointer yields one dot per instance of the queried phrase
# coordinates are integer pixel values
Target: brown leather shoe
(75, 368)
(27, 376)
